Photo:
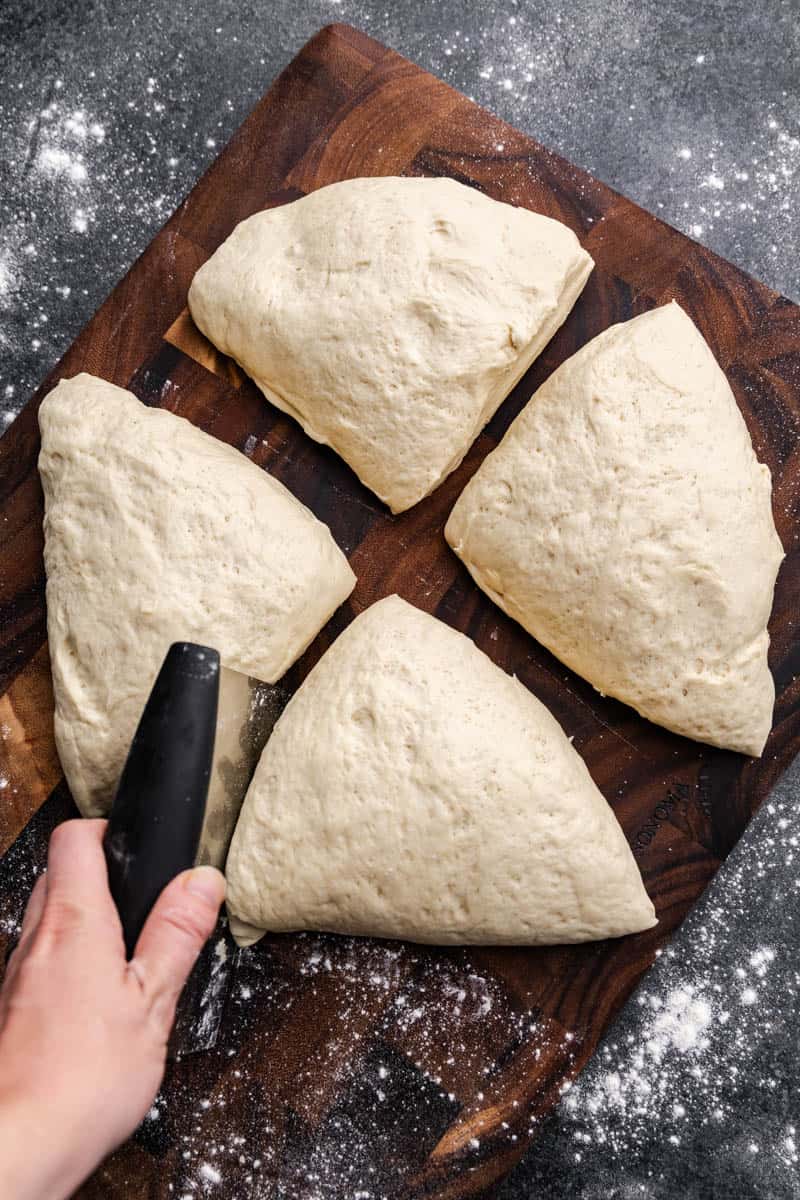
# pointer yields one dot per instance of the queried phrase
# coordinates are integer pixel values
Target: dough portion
(390, 317)
(411, 789)
(156, 532)
(626, 523)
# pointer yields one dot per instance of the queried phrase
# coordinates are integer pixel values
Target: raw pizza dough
(390, 317)
(156, 532)
(625, 521)
(411, 789)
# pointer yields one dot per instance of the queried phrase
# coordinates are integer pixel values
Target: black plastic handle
(157, 816)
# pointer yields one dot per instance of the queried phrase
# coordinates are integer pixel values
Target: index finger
(77, 876)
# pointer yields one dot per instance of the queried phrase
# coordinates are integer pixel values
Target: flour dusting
(703, 1041)
(95, 156)
(97, 152)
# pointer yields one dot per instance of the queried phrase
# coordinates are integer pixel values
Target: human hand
(83, 1032)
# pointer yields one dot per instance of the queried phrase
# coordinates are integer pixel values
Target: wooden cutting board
(349, 1068)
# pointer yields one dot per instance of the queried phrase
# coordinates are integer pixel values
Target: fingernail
(207, 883)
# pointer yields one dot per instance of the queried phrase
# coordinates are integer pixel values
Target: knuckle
(62, 916)
(63, 834)
(186, 923)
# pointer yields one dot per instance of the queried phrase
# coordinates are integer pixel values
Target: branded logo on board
(677, 797)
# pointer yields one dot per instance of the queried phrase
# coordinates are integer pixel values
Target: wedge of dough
(625, 521)
(411, 789)
(156, 532)
(390, 317)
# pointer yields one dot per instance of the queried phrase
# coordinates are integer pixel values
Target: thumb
(181, 921)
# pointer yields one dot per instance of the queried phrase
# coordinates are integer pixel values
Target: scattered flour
(59, 151)
(84, 203)
(590, 85)
(209, 1174)
(703, 1043)
(87, 192)
(93, 161)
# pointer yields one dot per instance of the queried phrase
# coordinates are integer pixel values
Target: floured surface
(298, 1086)
(727, 175)
(689, 1094)
(661, 1104)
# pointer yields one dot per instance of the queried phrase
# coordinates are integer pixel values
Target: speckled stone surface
(109, 111)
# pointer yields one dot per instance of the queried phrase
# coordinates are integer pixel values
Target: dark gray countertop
(109, 111)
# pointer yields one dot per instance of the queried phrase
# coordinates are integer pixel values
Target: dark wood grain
(396, 1070)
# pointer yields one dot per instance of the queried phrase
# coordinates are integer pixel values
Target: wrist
(37, 1161)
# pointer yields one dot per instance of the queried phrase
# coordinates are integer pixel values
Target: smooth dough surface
(156, 532)
(411, 789)
(626, 523)
(390, 317)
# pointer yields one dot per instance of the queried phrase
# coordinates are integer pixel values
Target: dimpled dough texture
(625, 521)
(412, 789)
(390, 317)
(154, 533)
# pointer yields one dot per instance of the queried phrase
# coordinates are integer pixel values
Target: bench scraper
(197, 744)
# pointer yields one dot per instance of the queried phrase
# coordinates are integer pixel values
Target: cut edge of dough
(574, 282)
(573, 286)
(642, 914)
(572, 289)
(68, 745)
(752, 746)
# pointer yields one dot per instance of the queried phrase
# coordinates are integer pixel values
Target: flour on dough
(411, 789)
(390, 317)
(625, 521)
(156, 532)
